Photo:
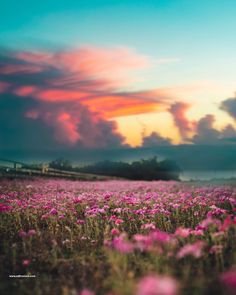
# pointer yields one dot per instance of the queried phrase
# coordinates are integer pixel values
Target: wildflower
(160, 236)
(119, 221)
(31, 232)
(197, 232)
(207, 222)
(142, 242)
(25, 262)
(5, 208)
(216, 249)
(80, 221)
(44, 216)
(22, 234)
(53, 211)
(86, 292)
(226, 224)
(148, 226)
(182, 232)
(157, 285)
(194, 250)
(229, 279)
(107, 243)
(115, 231)
(121, 245)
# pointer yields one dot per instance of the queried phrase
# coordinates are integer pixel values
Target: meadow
(117, 237)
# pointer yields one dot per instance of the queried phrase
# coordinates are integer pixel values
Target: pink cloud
(11, 69)
(4, 87)
(77, 86)
(25, 90)
(184, 125)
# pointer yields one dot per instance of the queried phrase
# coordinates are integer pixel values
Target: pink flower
(115, 231)
(86, 292)
(80, 221)
(194, 250)
(229, 279)
(148, 226)
(160, 236)
(197, 232)
(44, 216)
(26, 262)
(226, 224)
(216, 249)
(182, 232)
(4, 208)
(207, 222)
(157, 285)
(121, 245)
(22, 234)
(31, 232)
(53, 211)
(142, 242)
(119, 221)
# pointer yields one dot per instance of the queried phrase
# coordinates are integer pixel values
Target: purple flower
(229, 280)
(31, 232)
(53, 211)
(22, 234)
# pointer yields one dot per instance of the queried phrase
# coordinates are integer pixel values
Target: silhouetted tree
(61, 164)
(149, 169)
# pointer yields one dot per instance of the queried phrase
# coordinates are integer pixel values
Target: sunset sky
(98, 73)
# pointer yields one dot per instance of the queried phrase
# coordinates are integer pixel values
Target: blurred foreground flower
(25, 262)
(182, 232)
(229, 280)
(86, 292)
(194, 250)
(157, 285)
(115, 232)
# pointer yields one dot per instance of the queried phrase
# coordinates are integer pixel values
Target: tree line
(149, 169)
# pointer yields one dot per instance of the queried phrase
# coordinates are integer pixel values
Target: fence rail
(17, 169)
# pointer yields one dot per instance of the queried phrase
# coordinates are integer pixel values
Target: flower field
(117, 237)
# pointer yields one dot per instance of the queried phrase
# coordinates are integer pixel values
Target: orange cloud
(67, 83)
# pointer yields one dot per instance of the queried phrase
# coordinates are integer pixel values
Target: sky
(100, 74)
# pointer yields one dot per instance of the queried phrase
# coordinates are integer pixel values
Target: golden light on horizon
(133, 127)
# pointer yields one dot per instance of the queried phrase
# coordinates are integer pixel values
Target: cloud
(155, 139)
(229, 106)
(92, 76)
(71, 96)
(94, 62)
(3, 87)
(184, 125)
(73, 123)
(27, 123)
(204, 130)
(207, 134)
